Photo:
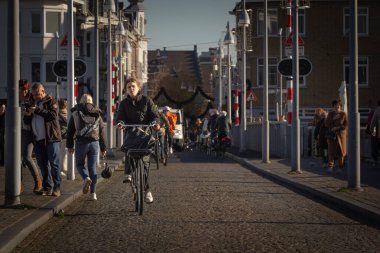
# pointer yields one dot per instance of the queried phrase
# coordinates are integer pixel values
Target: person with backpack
(87, 128)
(172, 118)
(136, 108)
(62, 118)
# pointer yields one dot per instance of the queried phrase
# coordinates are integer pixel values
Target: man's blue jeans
(48, 154)
(91, 152)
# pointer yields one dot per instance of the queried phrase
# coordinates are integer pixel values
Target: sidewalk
(317, 181)
(18, 222)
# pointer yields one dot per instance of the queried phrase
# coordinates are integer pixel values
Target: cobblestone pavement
(202, 204)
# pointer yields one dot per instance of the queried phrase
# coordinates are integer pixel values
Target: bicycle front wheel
(140, 186)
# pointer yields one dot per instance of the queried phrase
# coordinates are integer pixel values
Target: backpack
(172, 117)
(88, 125)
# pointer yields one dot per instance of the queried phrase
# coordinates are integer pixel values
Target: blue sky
(179, 24)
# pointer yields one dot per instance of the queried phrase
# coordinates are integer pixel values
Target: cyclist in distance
(136, 108)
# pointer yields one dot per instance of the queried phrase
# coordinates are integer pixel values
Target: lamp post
(56, 58)
(109, 7)
(265, 123)
(220, 91)
(280, 77)
(229, 40)
(121, 33)
(243, 22)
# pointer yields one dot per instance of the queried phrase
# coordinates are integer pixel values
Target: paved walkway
(18, 222)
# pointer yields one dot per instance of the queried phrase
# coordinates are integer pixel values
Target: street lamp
(220, 56)
(265, 122)
(243, 22)
(120, 31)
(109, 7)
(229, 40)
(57, 58)
(280, 77)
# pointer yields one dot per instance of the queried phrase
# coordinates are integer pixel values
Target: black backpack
(88, 125)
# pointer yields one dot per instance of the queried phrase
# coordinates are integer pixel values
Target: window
(272, 71)
(272, 22)
(362, 70)
(301, 21)
(53, 22)
(88, 44)
(362, 21)
(50, 77)
(36, 70)
(36, 23)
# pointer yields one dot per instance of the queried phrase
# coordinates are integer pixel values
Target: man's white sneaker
(171, 150)
(93, 196)
(127, 178)
(86, 185)
(148, 197)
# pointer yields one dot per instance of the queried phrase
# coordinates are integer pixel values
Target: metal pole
(354, 116)
(243, 125)
(109, 89)
(289, 81)
(12, 154)
(220, 77)
(57, 58)
(96, 52)
(280, 76)
(265, 123)
(229, 84)
(296, 160)
(121, 81)
(70, 80)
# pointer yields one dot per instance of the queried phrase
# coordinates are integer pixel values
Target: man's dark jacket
(50, 114)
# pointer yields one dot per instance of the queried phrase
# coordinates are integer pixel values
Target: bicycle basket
(226, 141)
(137, 139)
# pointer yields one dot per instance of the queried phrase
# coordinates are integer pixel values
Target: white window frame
(302, 19)
(260, 71)
(361, 64)
(346, 27)
(60, 26)
(273, 18)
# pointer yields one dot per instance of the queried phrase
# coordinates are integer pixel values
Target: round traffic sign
(285, 67)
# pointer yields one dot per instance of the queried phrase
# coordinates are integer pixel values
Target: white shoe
(171, 150)
(148, 197)
(63, 174)
(86, 185)
(93, 196)
(127, 178)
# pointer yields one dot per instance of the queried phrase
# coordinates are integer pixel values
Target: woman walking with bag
(336, 123)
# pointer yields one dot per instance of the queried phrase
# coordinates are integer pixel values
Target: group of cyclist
(214, 129)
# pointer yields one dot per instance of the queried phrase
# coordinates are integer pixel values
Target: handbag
(331, 135)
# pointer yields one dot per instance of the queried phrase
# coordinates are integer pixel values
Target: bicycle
(139, 162)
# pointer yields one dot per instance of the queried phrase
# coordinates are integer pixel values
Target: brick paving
(17, 223)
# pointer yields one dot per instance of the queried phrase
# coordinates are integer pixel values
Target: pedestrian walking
(86, 127)
(43, 117)
(375, 123)
(336, 135)
(27, 146)
(62, 117)
(320, 136)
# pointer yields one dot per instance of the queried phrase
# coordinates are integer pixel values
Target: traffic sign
(289, 51)
(251, 96)
(285, 67)
(60, 68)
(63, 51)
(289, 40)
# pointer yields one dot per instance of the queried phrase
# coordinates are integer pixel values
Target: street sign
(289, 40)
(251, 96)
(63, 51)
(289, 51)
(60, 68)
(285, 67)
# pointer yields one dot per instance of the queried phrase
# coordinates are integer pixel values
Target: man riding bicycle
(136, 108)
